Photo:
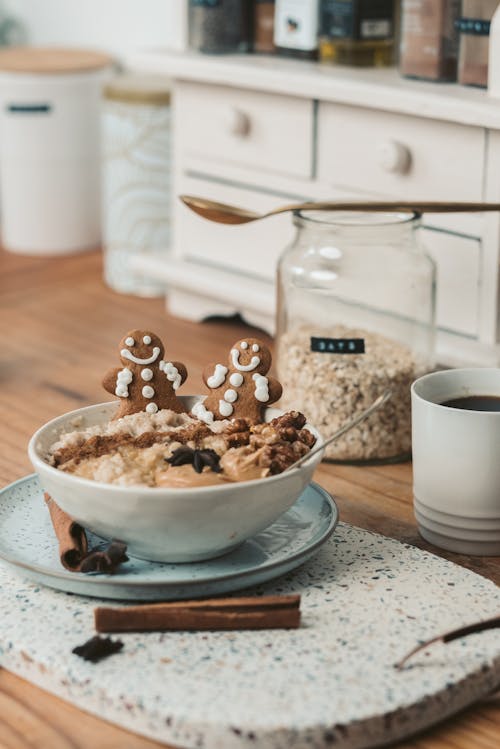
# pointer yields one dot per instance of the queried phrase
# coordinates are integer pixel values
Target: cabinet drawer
(458, 280)
(399, 156)
(251, 250)
(263, 131)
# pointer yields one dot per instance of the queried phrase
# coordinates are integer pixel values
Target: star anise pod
(97, 648)
(197, 458)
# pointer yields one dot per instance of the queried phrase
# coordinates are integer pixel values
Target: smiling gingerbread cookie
(146, 382)
(241, 389)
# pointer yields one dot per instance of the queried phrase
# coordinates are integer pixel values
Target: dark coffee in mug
(475, 403)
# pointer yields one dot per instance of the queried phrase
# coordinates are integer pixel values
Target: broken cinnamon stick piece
(266, 612)
(71, 536)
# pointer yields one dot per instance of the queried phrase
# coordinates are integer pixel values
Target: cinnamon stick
(73, 545)
(266, 612)
(455, 634)
(72, 539)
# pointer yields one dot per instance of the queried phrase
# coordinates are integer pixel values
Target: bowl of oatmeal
(170, 486)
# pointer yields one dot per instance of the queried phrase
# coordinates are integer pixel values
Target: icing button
(151, 408)
(147, 374)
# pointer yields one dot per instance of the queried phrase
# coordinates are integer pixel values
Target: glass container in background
(136, 181)
(218, 26)
(357, 32)
(356, 309)
(296, 28)
(474, 38)
(429, 39)
(263, 26)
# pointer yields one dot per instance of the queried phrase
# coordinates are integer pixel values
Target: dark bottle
(217, 26)
(357, 32)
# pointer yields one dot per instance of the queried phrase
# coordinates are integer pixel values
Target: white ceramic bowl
(163, 524)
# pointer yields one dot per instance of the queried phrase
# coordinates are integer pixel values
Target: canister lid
(51, 60)
(135, 88)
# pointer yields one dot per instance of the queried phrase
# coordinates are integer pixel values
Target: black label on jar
(206, 3)
(338, 345)
(357, 19)
(473, 26)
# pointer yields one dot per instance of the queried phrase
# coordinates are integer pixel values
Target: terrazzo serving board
(366, 601)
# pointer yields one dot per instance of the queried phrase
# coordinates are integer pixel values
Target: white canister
(136, 180)
(50, 103)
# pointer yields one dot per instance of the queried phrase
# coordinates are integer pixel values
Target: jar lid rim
(342, 219)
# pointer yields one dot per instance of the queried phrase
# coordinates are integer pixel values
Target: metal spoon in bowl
(350, 424)
(222, 213)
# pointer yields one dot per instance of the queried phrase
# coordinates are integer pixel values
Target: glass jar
(356, 309)
(357, 32)
(218, 26)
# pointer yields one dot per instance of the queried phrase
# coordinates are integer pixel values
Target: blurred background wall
(119, 26)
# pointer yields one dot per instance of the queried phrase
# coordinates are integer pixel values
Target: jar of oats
(356, 308)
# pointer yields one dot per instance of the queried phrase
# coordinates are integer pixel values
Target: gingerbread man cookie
(241, 389)
(145, 382)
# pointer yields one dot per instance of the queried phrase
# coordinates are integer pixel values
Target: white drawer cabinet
(260, 132)
(252, 250)
(246, 128)
(397, 155)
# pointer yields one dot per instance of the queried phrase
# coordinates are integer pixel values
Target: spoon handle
(377, 206)
(350, 424)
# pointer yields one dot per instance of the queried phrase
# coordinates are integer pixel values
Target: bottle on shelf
(296, 28)
(429, 39)
(357, 32)
(263, 26)
(474, 37)
(218, 26)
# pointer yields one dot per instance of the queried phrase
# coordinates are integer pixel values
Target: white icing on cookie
(148, 391)
(244, 345)
(127, 355)
(225, 409)
(236, 379)
(230, 395)
(172, 374)
(235, 358)
(261, 388)
(123, 379)
(129, 341)
(147, 340)
(147, 374)
(202, 413)
(151, 408)
(255, 347)
(218, 377)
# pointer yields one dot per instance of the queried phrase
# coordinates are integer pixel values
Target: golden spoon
(222, 213)
(350, 424)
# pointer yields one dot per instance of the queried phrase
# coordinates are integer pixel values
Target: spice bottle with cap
(356, 307)
(218, 26)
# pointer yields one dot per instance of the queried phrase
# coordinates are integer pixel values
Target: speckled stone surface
(366, 600)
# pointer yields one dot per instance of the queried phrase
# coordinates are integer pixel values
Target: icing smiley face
(248, 355)
(146, 382)
(242, 388)
(140, 347)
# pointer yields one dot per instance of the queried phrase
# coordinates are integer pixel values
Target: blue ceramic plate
(28, 544)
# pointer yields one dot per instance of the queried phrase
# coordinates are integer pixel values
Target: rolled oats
(332, 388)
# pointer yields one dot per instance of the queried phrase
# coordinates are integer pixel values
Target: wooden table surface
(60, 327)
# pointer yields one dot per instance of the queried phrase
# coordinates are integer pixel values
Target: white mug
(456, 461)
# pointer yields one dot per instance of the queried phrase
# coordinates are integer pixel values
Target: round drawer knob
(393, 156)
(238, 123)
